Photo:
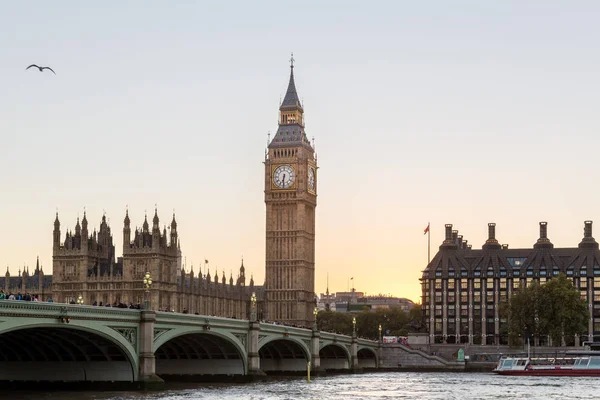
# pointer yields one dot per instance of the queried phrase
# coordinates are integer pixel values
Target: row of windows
(490, 283)
(543, 271)
(502, 297)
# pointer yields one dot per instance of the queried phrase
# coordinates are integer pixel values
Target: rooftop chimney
(491, 231)
(448, 232)
(491, 242)
(460, 241)
(587, 229)
(451, 237)
(543, 230)
(504, 246)
(588, 240)
(543, 241)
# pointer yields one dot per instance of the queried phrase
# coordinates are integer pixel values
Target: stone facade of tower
(291, 199)
(84, 265)
(154, 252)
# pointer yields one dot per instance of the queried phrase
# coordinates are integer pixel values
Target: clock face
(284, 176)
(311, 178)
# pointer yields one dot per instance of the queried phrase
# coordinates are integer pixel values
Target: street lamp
(80, 300)
(253, 307)
(380, 332)
(147, 284)
(354, 325)
(315, 313)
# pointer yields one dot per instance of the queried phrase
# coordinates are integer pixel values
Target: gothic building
(85, 265)
(463, 287)
(24, 282)
(291, 199)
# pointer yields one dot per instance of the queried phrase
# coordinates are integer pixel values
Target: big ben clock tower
(291, 198)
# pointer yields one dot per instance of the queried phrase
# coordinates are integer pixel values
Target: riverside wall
(400, 357)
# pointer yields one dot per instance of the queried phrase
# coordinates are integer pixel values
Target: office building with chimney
(463, 288)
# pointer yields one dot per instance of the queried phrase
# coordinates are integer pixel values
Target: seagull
(41, 68)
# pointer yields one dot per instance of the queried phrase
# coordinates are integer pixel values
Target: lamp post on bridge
(315, 313)
(147, 284)
(354, 326)
(379, 332)
(80, 300)
(253, 307)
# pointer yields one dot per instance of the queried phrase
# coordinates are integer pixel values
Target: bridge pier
(315, 342)
(147, 371)
(354, 354)
(253, 356)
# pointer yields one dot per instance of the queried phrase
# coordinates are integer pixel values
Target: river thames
(391, 385)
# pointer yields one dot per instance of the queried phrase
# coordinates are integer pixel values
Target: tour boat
(572, 363)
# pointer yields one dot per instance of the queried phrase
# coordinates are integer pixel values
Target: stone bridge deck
(61, 342)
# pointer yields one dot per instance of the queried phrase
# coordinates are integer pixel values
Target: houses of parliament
(84, 262)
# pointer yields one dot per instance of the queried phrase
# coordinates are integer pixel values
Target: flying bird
(40, 68)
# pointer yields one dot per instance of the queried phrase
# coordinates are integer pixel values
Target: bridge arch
(195, 352)
(283, 354)
(60, 352)
(367, 357)
(334, 356)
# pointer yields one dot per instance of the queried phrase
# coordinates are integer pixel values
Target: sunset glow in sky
(462, 112)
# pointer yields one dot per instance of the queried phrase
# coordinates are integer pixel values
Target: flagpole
(428, 243)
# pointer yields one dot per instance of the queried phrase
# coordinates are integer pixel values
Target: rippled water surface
(393, 385)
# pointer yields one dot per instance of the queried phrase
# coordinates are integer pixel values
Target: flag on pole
(426, 229)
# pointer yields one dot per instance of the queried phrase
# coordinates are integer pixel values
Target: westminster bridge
(78, 343)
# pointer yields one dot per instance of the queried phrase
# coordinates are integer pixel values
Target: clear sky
(463, 112)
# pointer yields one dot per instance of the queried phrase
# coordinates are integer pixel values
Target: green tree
(554, 308)
(393, 319)
(563, 312)
(415, 316)
(331, 321)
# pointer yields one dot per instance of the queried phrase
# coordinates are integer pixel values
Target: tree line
(553, 309)
(394, 322)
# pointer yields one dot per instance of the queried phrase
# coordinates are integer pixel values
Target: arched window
(596, 270)
(490, 271)
(570, 270)
(543, 271)
(463, 272)
(530, 270)
(477, 272)
(583, 271)
(451, 272)
(502, 272)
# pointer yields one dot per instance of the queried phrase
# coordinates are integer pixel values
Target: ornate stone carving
(130, 334)
(158, 332)
(261, 337)
(242, 337)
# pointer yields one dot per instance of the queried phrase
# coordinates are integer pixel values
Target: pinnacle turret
(155, 220)
(291, 119)
(145, 226)
(291, 100)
